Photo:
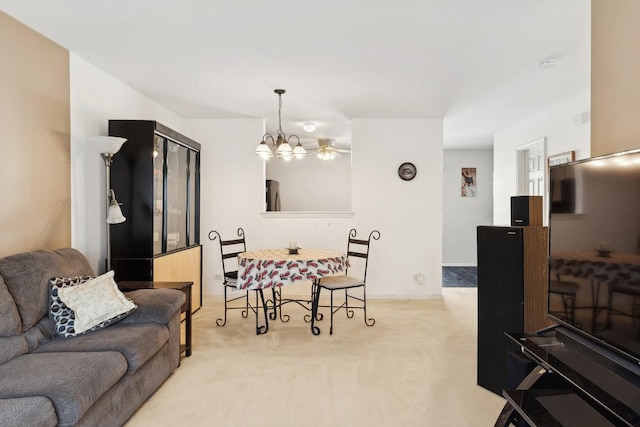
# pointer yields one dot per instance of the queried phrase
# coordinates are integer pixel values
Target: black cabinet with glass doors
(156, 178)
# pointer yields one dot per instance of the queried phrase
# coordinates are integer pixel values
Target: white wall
(97, 97)
(407, 214)
(463, 214)
(231, 182)
(562, 135)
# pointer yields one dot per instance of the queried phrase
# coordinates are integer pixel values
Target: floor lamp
(107, 146)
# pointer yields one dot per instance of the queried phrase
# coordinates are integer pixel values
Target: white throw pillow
(95, 301)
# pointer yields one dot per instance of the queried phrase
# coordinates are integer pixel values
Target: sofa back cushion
(12, 344)
(27, 275)
(10, 323)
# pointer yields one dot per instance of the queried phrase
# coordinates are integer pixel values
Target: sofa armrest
(155, 305)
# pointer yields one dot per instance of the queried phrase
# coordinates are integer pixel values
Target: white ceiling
(471, 62)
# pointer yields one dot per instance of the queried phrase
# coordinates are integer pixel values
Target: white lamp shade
(263, 150)
(284, 149)
(299, 151)
(285, 153)
(107, 144)
(115, 214)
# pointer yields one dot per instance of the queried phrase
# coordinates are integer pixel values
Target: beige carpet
(415, 367)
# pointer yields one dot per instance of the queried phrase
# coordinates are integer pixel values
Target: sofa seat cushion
(38, 410)
(155, 305)
(136, 342)
(72, 381)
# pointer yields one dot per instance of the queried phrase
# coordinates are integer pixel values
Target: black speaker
(526, 210)
(500, 301)
(512, 286)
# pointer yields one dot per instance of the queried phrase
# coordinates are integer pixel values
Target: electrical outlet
(419, 278)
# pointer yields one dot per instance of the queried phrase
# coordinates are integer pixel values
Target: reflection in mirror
(309, 184)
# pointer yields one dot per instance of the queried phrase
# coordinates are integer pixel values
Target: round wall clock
(407, 171)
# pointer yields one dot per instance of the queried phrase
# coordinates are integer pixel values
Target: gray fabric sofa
(96, 379)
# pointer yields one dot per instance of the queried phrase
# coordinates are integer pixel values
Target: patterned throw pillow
(64, 317)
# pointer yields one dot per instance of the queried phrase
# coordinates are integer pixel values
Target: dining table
(274, 268)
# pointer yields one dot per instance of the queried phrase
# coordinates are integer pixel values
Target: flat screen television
(594, 249)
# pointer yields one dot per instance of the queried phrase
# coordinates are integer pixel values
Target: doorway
(532, 171)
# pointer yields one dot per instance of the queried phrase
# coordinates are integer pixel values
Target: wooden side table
(186, 307)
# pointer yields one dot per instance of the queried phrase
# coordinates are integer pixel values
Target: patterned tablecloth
(615, 268)
(275, 267)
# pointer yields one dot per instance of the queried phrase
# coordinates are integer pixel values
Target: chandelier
(280, 146)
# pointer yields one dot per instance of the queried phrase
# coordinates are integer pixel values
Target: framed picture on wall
(468, 188)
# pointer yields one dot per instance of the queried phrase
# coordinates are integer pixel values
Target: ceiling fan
(327, 150)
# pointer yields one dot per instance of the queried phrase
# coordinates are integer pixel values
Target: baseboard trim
(458, 264)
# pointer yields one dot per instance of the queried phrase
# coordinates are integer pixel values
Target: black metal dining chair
(229, 250)
(356, 249)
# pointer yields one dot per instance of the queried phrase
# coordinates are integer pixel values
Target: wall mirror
(310, 184)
